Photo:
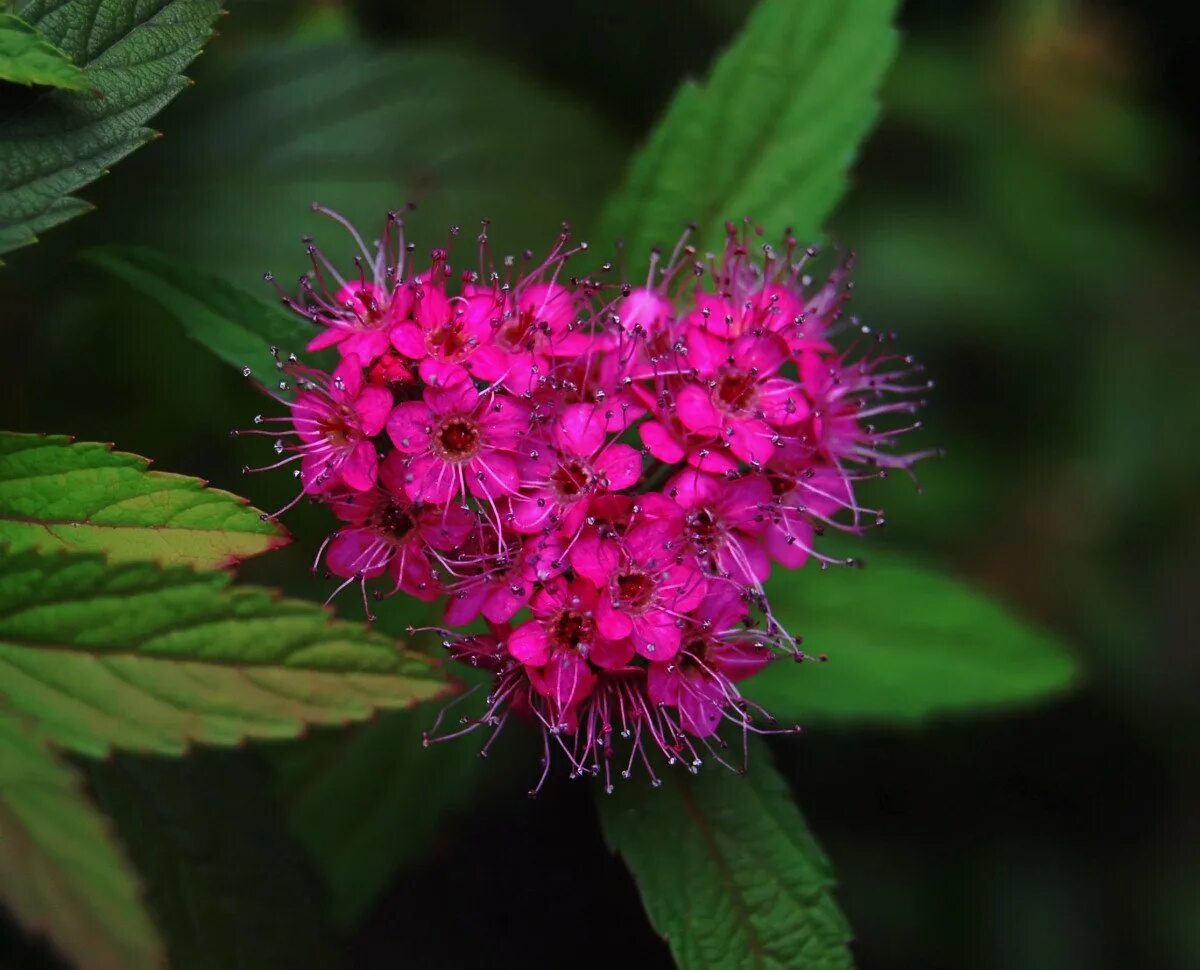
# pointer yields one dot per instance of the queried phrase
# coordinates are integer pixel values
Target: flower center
(634, 590)
(736, 391)
(396, 522)
(448, 342)
(570, 629)
(703, 526)
(371, 305)
(333, 428)
(457, 439)
(571, 478)
(518, 333)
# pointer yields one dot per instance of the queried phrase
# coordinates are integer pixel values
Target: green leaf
(60, 871)
(223, 879)
(28, 58)
(904, 642)
(239, 328)
(351, 801)
(150, 659)
(273, 128)
(133, 53)
(769, 135)
(728, 871)
(57, 494)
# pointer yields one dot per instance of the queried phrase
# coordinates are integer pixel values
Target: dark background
(1024, 216)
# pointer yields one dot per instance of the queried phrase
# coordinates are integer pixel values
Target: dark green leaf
(904, 642)
(227, 885)
(368, 802)
(148, 659)
(134, 53)
(57, 494)
(239, 328)
(769, 135)
(60, 871)
(728, 871)
(28, 58)
(363, 130)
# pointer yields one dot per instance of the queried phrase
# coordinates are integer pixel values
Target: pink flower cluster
(604, 474)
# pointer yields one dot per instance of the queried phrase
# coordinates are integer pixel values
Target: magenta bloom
(335, 423)
(459, 442)
(718, 653)
(741, 400)
(564, 619)
(386, 532)
(599, 474)
(565, 470)
(649, 589)
(725, 520)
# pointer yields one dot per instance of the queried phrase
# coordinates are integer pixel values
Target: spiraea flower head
(606, 473)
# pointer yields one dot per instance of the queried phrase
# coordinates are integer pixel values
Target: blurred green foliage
(1023, 219)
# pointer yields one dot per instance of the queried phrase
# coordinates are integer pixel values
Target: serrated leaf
(56, 494)
(227, 885)
(149, 659)
(361, 129)
(236, 326)
(134, 53)
(61, 873)
(904, 642)
(768, 136)
(28, 58)
(728, 871)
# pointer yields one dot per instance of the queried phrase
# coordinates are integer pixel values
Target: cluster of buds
(604, 473)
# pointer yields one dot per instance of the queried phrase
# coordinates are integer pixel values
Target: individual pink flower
(505, 579)
(808, 498)
(564, 618)
(386, 532)
(717, 653)
(652, 587)
(444, 332)
(850, 398)
(529, 333)
(360, 318)
(724, 519)
(355, 313)
(335, 423)
(459, 441)
(562, 472)
(740, 398)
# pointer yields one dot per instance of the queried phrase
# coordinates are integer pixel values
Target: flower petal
(409, 426)
(620, 465)
(361, 468)
(695, 409)
(373, 407)
(529, 645)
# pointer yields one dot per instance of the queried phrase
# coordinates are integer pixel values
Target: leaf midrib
(733, 891)
(37, 646)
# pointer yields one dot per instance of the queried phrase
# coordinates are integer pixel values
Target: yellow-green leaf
(61, 873)
(149, 659)
(59, 494)
(26, 57)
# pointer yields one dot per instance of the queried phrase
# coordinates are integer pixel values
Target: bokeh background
(1024, 216)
